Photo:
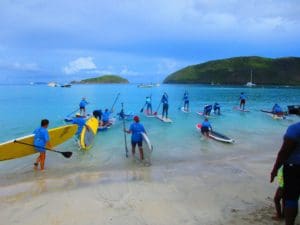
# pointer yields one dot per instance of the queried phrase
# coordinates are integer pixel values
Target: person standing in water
(289, 157)
(149, 105)
(82, 106)
(41, 141)
(136, 129)
(165, 102)
(206, 127)
(242, 101)
(186, 101)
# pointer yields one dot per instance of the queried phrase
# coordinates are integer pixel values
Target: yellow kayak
(14, 150)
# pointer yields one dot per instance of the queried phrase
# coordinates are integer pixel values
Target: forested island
(105, 79)
(237, 71)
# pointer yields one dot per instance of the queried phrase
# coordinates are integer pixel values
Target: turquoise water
(22, 108)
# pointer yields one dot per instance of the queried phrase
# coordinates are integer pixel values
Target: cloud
(17, 66)
(125, 71)
(82, 63)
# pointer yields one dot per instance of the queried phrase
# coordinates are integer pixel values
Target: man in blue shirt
(136, 129)
(105, 117)
(165, 102)
(41, 140)
(207, 110)
(80, 121)
(242, 100)
(206, 127)
(217, 108)
(277, 110)
(186, 101)
(149, 105)
(289, 157)
(82, 106)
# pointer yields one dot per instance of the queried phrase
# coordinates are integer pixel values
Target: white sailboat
(250, 83)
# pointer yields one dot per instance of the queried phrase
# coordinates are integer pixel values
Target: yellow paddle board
(58, 135)
(87, 135)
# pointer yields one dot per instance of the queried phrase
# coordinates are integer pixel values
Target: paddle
(124, 127)
(155, 113)
(112, 107)
(65, 154)
(72, 112)
(142, 109)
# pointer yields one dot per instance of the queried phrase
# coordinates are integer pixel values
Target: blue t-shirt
(80, 122)
(83, 103)
(293, 133)
(206, 124)
(164, 99)
(186, 97)
(41, 137)
(105, 116)
(137, 129)
(277, 109)
(243, 97)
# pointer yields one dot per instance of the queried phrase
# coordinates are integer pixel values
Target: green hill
(266, 71)
(106, 79)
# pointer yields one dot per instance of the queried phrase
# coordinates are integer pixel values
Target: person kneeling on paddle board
(277, 110)
(82, 106)
(42, 140)
(165, 102)
(80, 121)
(149, 105)
(105, 118)
(206, 127)
(136, 138)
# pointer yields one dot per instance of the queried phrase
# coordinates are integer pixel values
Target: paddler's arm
(285, 151)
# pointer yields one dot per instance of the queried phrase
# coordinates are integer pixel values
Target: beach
(192, 180)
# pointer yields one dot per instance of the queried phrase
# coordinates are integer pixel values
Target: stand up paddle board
(216, 136)
(147, 148)
(13, 150)
(70, 118)
(241, 110)
(88, 133)
(185, 111)
(149, 115)
(164, 119)
(201, 114)
(112, 122)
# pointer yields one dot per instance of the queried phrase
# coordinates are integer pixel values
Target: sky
(141, 40)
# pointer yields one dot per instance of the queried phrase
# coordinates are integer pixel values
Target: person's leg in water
(167, 109)
(40, 160)
(164, 110)
(141, 151)
(278, 198)
(133, 144)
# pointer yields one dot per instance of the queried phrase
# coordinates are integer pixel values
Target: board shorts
(243, 101)
(186, 102)
(134, 143)
(291, 178)
(204, 129)
(81, 107)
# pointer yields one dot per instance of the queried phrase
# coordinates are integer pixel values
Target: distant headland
(236, 71)
(105, 79)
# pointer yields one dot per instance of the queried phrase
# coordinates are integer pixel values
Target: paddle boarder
(149, 105)
(277, 110)
(82, 106)
(289, 157)
(135, 130)
(80, 121)
(165, 102)
(186, 101)
(105, 117)
(206, 127)
(207, 110)
(242, 101)
(41, 139)
(217, 108)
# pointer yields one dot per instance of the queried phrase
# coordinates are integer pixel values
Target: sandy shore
(230, 190)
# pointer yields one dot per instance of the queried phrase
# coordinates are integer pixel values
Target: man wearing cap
(136, 129)
(82, 106)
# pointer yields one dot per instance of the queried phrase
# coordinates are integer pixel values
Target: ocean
(179, 150)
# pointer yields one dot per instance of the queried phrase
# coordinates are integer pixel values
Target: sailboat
(250, 83)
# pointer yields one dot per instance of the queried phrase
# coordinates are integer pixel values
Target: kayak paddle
(65, 154)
